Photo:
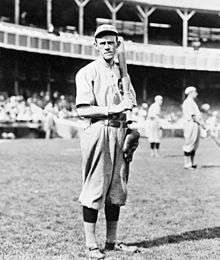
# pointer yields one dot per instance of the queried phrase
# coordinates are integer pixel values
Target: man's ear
(95, 45)
(118, 44)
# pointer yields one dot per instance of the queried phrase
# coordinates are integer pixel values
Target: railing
(72, 45)
(40, 41)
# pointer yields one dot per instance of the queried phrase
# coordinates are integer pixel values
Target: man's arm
(92, 111)
(98, 111)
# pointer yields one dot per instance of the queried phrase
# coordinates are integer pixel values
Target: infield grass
(171, 213)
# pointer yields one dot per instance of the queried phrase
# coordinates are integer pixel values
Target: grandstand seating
(125, 27)
(72, 45)
(205, 35)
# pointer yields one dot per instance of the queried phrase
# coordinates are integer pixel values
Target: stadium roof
(202, 5)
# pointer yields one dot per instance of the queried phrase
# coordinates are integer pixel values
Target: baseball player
(154, 125)
(192, 122)
(103, 166)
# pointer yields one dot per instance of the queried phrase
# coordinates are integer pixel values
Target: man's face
(160, 101)
(107, 46)
(194, 94)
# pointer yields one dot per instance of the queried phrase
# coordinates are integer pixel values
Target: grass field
(171, 213)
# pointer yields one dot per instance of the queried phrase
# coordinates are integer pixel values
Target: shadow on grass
(172, 155)
(210, 166)
(207, 233)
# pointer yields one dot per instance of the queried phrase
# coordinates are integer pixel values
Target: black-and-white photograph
(109, 129)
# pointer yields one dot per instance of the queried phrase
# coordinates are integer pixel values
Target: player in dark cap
(100, 101)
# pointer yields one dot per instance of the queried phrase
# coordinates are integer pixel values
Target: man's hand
(127, 104)
(122, 107)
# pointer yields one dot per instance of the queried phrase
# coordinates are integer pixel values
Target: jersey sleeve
(84, 88)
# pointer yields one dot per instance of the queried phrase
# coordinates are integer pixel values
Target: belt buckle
(106, 122)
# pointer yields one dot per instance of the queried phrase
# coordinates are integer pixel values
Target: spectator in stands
(53, 30)
(4, 115)
(31, 109)
(23, 17)
(49, 120)
(212, 123)
(154, 125)
(205, 114)
(142, 113)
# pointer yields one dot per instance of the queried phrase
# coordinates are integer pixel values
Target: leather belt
(115, 123)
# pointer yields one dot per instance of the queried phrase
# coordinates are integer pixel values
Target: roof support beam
(185, 16)
(49, 79)
(113, 9)
(16, 11)
(16, 84)
(81, 4)
(49, 14)
(145, 86)
(144, 15)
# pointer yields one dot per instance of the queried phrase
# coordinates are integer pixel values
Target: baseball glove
(130, 144)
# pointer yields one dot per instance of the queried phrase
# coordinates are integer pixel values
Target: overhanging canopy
(200, 5)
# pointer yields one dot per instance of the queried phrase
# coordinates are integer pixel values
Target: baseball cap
(205, 107)
(105, 28)
(158, 97)
(189, 89)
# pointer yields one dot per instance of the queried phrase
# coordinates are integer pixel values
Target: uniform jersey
(103, 167)
(190, 109)
(154, 132)
(97, 84)
(190, 127)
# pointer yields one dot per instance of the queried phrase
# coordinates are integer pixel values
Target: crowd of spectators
(33, 109)
(43, 107)
(40, 108)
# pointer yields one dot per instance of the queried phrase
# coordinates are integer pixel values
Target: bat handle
(125, 88)
(125, 83)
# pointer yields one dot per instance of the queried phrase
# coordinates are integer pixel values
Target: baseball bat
(124, 74)
(122, 59)
(214, 138)
(217, 142)
(210, 135)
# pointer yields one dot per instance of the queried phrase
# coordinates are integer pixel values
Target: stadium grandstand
(170, 44)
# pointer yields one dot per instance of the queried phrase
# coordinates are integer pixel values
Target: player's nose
(107, 46)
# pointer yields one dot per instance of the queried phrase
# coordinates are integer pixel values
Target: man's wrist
(106, 111)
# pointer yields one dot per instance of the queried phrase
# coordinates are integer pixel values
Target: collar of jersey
(106, 64)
